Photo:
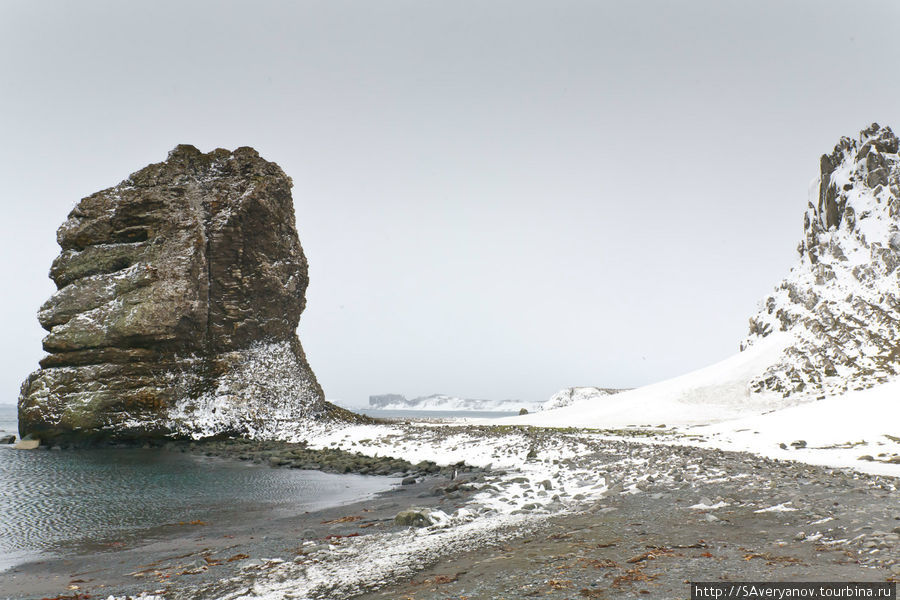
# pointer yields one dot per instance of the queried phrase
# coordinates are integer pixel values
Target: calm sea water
(8, 421)
(54, 501)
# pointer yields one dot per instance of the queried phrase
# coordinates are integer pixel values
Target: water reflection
(55, 499)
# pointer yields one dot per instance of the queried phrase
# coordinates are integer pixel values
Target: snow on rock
(444, 402)
(576, 394)
(265, 393)
(176, 290)
(842, 300)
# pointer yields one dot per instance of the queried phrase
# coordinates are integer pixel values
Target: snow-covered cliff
(841, 302)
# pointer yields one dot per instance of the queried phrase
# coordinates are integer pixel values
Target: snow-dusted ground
(542, 472)
(713, 407)
(534, 475)
(836, 431)
(527, 462)
(564, 462)
(538, 472)
(550, 472)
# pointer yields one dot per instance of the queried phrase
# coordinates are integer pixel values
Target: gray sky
(498, 199)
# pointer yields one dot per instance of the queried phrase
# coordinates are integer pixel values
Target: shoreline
(612, 509)
(193, 554)
(523, 490)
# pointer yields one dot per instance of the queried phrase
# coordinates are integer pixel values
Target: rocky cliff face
(179, 294)
(841, 302)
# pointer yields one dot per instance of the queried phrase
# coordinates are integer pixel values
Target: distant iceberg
(445, 402)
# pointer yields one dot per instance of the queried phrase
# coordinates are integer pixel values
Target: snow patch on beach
(535, 475)
(714, 408)
(704, 506)
(337, 573)
(532, 477)
(858, 430)
(783, 507)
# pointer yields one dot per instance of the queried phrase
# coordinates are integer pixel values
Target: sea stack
(179, 295)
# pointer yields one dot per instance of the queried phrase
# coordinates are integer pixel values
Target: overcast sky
(498, 199)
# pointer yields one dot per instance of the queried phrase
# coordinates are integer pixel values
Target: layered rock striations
(841, 302)
(179, 295)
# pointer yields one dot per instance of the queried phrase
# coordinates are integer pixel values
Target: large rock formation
(179, 294)
(841, 302)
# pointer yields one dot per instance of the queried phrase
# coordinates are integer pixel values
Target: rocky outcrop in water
(179, 294)
(841, 302)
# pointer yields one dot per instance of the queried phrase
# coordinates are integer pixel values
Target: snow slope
(715, 407)
(715, 393)
(817, 378)
(859, 429)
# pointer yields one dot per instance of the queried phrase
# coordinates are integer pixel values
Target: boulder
(413, 518)
(179, 294)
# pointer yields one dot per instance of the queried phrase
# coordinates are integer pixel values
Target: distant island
(445, 402)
